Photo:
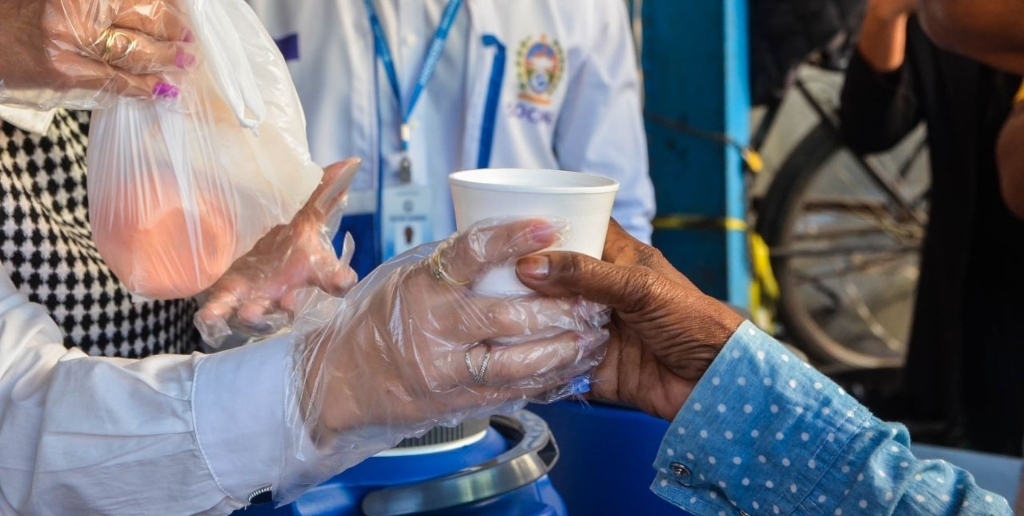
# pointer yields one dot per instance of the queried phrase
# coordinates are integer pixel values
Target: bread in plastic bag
(179, 188)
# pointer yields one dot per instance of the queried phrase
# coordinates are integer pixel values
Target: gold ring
(438, 271)
(108, 39)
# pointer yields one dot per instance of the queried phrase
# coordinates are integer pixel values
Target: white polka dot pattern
(790, 441)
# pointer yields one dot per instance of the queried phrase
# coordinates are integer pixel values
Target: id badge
(405, 219)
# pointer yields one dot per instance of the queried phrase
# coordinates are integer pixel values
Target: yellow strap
(753, 159)
(764, 288)
(760, 257)
(1020, 95)
(685, 221)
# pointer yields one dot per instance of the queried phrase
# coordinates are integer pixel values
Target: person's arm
(600, 128)
(754, 427)
(205, 433)
(764, 430)
(988, 31)
(164, 435)
(879, 103)
(1010, 160)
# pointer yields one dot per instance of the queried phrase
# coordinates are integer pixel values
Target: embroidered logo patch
(540, 65)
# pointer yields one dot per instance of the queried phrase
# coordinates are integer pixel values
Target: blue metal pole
(695, 61)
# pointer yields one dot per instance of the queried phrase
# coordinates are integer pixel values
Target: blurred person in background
(986, 31)
(989, 32)
(419, 89)
(965, 354)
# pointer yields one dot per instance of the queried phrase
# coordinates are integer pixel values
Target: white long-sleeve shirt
(168, 434)
(588, 119)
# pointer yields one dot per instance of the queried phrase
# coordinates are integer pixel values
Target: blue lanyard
(429, 64)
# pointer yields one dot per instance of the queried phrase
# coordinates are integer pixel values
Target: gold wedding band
(109, 39)
(438, 271)
(478, 376)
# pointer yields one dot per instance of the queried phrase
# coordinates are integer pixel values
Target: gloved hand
(256, 296)
(81, 53)
(410, 346)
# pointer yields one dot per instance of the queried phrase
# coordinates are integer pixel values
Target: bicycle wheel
(845, 243)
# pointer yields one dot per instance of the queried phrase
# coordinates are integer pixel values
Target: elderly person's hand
(256, 296)
(412, 346)
(79, 52)
(664, 331)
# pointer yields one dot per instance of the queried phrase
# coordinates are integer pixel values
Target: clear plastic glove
(411, 347)
(256, 296)
(83, 53)
(181, 189)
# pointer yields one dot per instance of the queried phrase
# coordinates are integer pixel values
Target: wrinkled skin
(664, 331)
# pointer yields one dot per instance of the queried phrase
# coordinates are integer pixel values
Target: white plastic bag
(180, 188)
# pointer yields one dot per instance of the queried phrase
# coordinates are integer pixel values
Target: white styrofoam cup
(581, 199)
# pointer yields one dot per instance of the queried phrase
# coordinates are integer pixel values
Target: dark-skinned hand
(665, 332)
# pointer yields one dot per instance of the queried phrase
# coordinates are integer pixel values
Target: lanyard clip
(405, 169)
(405, 166)
(406, 134)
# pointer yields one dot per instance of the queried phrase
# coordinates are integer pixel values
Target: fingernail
(184, 59)
(165, 91)
(536, 267)
(542, 233)
(187, 37)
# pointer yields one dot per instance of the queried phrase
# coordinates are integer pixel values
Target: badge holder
(406, 214)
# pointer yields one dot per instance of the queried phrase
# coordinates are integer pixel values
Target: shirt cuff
(239, 405)
(759, 432)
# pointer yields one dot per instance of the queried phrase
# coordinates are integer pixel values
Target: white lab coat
(590, 121)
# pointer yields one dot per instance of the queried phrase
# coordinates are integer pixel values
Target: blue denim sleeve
(765, 433)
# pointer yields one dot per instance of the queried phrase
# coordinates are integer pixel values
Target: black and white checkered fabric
(46, 247)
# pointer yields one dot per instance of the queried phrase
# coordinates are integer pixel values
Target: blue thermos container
(490, 467)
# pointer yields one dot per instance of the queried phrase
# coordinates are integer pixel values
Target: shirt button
(409, 40)
(679, 469)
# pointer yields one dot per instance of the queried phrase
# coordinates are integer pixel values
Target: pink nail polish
(187, 37)
(184, 59)
(165, 91)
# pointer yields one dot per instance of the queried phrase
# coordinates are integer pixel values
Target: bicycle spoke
(840, 250)
(819, 285)
(862, 266)
(919, 147)
(847, 233)
(876, 213)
